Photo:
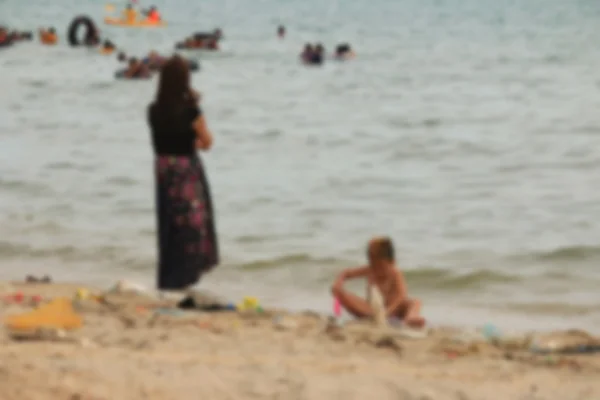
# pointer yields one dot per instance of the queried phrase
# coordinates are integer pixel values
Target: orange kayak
(136, 24)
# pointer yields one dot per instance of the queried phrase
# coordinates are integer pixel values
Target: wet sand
(135, 347)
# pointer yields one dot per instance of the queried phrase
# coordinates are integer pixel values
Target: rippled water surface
(467, 130)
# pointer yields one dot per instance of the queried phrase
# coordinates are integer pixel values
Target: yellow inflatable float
(134, 24)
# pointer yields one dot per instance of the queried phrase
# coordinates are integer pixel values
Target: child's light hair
(382, 247)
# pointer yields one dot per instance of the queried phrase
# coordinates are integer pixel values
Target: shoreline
(133, 346)
(438, 311)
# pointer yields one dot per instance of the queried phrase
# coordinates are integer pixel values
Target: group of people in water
(142, 68)
(130, 15)
(47, 37)
(201, 41)
(8, 37)
(315, 54)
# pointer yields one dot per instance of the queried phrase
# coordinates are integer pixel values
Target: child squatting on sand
(383, 274)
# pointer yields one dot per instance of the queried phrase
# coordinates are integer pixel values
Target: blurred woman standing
(187, 239)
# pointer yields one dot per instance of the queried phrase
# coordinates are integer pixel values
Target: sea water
(466, 130)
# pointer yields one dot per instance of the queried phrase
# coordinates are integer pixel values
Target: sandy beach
(136, 346)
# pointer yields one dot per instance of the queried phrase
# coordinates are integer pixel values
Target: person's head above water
(319, 49)
(129, 7)
(342, 47)
(122, 57)
(52, 30)
(380, 252)
(174, 90)
(281, 31)
(133, 61)
(308, 48)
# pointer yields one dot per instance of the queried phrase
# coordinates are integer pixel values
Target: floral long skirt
(187, 240)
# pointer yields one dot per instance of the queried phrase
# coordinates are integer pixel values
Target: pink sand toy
(337, 307)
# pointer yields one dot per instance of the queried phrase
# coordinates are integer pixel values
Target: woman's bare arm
(204, 138)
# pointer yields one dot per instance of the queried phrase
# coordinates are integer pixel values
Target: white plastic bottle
(377, 305)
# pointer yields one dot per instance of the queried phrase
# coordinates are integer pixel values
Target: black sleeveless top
(173, 135)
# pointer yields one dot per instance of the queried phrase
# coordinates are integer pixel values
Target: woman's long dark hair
(174, 93)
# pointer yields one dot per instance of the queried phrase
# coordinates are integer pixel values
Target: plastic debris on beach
(83, 294)
(21, 299)
(58, 314)
(566, 342)
(249, 304)
(127, 287)
(204, 302)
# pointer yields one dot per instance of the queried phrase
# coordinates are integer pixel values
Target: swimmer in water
(129, 14)
(48, 36)
(16, 36)
(154, 61)
(202, 41)
(136, 69)
(281, 31)
(344, 52)
(122, 57)
(307, 53)
(318, 55)
(153, 15)
(108, 47)
(188, 43)
(4, 38)
(212, 44)
(198, 41)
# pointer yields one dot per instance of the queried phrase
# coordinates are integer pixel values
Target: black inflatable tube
(91, 34)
